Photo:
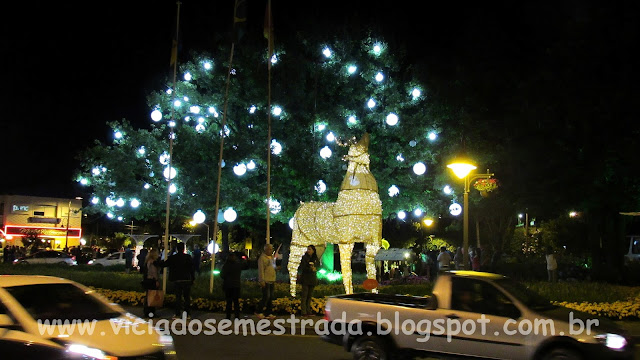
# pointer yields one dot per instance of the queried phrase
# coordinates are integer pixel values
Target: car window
(481, 297)
(38, 255)
(114, 257)
(50, 254)
(60, 301)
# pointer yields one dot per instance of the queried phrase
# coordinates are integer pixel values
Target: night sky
(73, 66)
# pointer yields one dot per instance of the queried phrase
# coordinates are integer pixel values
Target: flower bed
(283, 305)
(618, 310)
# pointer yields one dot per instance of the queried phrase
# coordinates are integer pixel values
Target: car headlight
(612, 341)
(90, 262)
(89, 352)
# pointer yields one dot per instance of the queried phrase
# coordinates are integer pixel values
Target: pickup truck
(469, 314)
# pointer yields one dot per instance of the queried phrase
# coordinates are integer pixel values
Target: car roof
(19, 280)
(477, 274)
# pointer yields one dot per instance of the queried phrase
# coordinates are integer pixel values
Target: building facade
(56, 222)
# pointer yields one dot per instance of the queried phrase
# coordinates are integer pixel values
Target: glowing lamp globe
(461, 169)
(419, 168)
(207, 66)
(379, 77)
(292, 223)
(415, 93)
(417, 212)
(352, 69)
(120, 202)
(377, 49)
(251, 165)
(392, 119)
(447, 190)
(169, 173)
(212, 248)
(230, 215)
(321, 187)
(352, 120)
(83, 242)
(173, 188)
(187, 76)
(455, 209)
(277, 111)
(156, 115)
(240, 169)
(371, 103)
(402, 215)
(95, 200)
(276, 148)
(326, 52)
(96, 171)
(331, 137)
(118, 135)
(428, 222)
(432, 136)
(199, 217)
(325, 152)
(393, 191)
(135, 203)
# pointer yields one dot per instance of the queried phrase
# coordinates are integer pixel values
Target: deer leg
(295, 256)
(371, 251)
(345, 264)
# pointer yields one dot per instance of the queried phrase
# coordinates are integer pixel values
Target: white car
(116, 258)
(47, 257)
(30, 304)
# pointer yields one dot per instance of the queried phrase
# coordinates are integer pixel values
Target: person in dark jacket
(230, 274)
(182, 275)
(309, 278)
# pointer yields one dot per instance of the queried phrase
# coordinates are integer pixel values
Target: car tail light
(327, 314)
(244, 257)
(73, 258)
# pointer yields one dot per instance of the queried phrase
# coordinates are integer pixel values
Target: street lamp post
(462, 170)
(66, 236)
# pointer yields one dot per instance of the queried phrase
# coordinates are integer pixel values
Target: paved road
(264, 347)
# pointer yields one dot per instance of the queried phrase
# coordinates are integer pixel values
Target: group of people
(13, 252)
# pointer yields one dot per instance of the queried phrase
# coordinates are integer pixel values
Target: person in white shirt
(444, 259)
(267, 279)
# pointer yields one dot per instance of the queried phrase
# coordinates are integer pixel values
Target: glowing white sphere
(276, 148)
(292, 223)
(199, 217)
(417, 212)
(225, 131)
(104, 169)
(83, 242)
(432, 136)
(402, 215)
(230, 215)
(379, 77)
(274, 206)
(187, 76)
(251, 165)
(177, 103)
(331, 137)
(117, 135)
(326, 52)
(169, 173)
(377, 49)
(415, 93)
(141, 150)
(240, 169)
(455, 209)
(169, 91)
(419, 168)
(352, 119)
(321, 127)
(400, 158)
(147, 186)
(110, 215)
(200, 120)
(252, 109)
(213, 248)
(200, 128)
(173, 189)
(413, 143)
(84, 181)
(172, 123)
(277, 111)
(321, 187)
(207, 65)
(95, 171)
(95, 200)
(110, 202)
(447, 190)
(120, 218)
(185, 98)
(134, 203)
(352, 69)
(156, 115)
(223, 164)
(392, 119)
(393, 190)
(164, 158)
(120, 202)
(371, 103)
(325, 152)
(194, 109)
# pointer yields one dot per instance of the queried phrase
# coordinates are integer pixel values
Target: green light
(216, 272)
(322, 271)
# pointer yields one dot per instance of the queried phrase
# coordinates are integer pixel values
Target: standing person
(267, 279)
(444, 259)
(182, 275)
(458, 259)
(151, 279)
(197, 257)
(552, 265)
(475, 260)
(128, 258)
(142, 259)
(310, 264)
(230, 274)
